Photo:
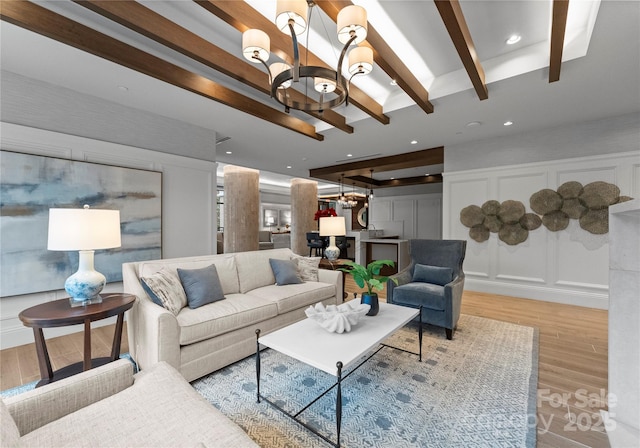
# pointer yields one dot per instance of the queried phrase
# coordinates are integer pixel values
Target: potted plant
(370, 278)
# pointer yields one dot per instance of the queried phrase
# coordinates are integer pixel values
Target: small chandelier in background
(371, 186)
(293, 16)
(349, 202)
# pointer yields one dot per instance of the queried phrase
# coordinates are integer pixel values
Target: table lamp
(84, 230)
(332, 226)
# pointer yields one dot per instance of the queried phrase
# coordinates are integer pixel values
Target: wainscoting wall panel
(465, 191)
(569, 266)
(410, 216)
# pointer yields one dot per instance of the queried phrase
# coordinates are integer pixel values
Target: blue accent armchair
(434, 280)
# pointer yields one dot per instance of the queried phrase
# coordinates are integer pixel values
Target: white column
(623, 418)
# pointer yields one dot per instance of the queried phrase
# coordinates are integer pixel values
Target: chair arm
(403, 277)
(35, 408)
(334, 278)
(453, 303)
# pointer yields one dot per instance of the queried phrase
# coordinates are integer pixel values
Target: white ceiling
(600, 77)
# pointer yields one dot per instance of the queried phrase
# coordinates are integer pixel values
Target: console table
(64, 312)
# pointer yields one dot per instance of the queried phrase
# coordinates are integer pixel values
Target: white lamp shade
(361, 58)
(255, 41)
(295, 10)
(278, 67)
(324, 85)
(352, 18)
(332, 226)
(83, 229)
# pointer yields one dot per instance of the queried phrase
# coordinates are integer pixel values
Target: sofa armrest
(37, 407)
(335, 278)
(153, 332)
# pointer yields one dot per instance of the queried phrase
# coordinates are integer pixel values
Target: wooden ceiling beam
(385, 57)
(456, 25)
(47, 23)
(360, 171)
(147, 22)
(558, 27)
(242, 16)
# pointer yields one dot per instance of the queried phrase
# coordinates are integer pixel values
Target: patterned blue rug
(478, 390)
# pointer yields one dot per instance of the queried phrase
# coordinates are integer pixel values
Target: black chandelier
(293, 16)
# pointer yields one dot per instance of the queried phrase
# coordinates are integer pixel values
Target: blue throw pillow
(435, 275)
(285, 272)
(202, 286)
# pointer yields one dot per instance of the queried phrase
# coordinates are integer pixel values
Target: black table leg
(420, 332)
(339, 404)
(257, 365)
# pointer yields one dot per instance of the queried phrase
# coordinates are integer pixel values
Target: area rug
(478, 390)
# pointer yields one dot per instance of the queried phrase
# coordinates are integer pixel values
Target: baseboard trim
(543, 293)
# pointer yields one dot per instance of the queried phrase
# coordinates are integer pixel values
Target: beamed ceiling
(432, 50)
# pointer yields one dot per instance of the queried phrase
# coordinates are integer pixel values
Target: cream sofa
(109, 406)
(199, 341)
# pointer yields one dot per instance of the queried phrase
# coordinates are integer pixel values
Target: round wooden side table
(65, 312)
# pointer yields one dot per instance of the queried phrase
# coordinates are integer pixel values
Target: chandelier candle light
(293, 17)
(84, 230)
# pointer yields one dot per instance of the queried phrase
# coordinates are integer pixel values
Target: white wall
(188, 207)
(569, 266)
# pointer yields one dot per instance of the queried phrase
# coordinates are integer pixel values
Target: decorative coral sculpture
(337, 318)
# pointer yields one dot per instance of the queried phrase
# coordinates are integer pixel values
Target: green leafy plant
(369, 276)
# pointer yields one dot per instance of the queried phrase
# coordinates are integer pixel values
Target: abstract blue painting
(30, 185)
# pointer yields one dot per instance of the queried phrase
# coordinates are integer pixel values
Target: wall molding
(566, 266)
(555, 295)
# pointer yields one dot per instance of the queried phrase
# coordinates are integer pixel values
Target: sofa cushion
(225, 265)
(165, 289)
(307, 267)
(213, 319)
(291, 297)
(417, 293)
(432, 274)
(254, 270)
(9, 435)
(285, 272)
(202, 286)
(161, 409)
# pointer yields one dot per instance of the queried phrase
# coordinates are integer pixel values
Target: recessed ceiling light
(349, 155)
(394, 82)
(288, 167)
(414, 142)
(508, 123)
(392, 178)
(514, 39)
(427, 174)
(229, 152)
(473, 124)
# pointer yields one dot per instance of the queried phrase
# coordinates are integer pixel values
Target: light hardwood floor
(572, 373)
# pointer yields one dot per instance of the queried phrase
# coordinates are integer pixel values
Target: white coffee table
(308, 342)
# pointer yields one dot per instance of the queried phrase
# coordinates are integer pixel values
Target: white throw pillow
(165, 290)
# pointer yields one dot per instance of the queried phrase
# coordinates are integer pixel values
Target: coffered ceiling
(443, 74)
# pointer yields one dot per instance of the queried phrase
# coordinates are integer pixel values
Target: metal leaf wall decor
(588, 204)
